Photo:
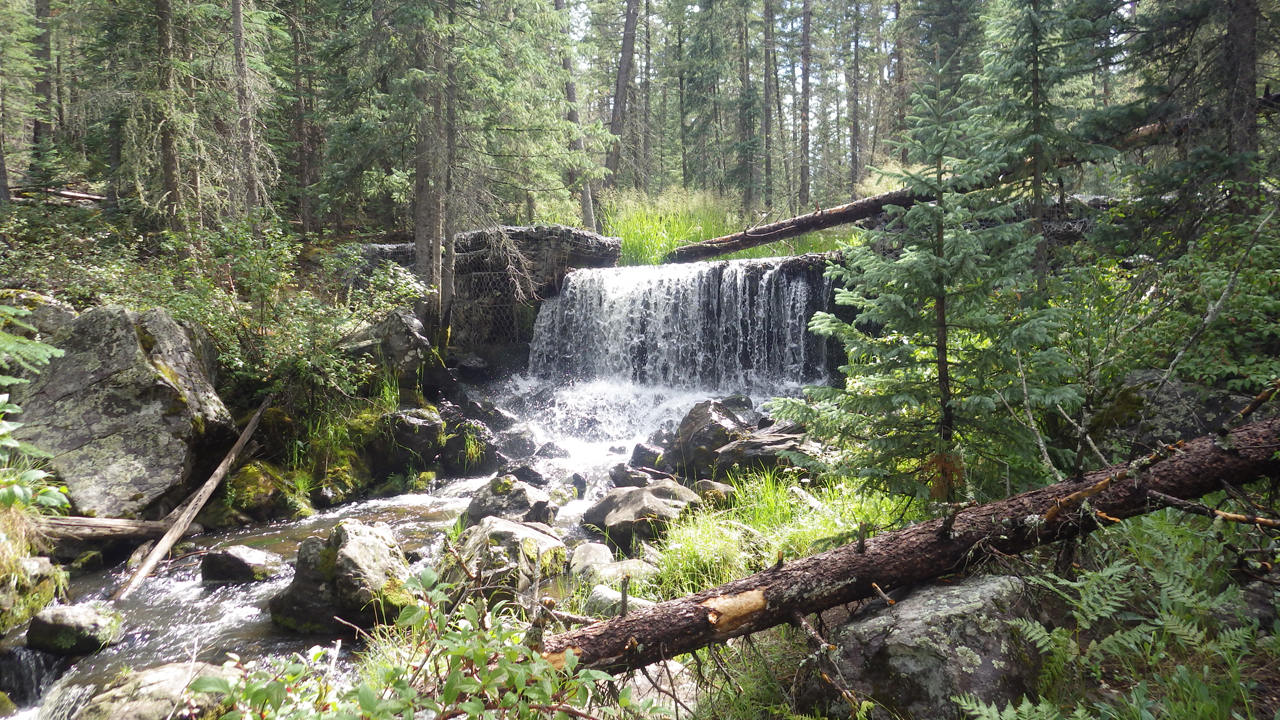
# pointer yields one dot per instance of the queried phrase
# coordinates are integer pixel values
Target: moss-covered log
(921, 552)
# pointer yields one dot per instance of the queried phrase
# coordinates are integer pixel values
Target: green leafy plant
(445, 656)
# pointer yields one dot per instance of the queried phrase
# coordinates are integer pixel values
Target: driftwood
(191, 508)
(922, 552)
(84, 528)
(870, 207)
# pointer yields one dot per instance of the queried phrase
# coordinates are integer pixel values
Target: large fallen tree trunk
(84, 528)
(921, 552)
(865, 208)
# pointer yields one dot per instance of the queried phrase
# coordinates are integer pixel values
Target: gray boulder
(716, 494)
(470, 449)
(239, 564)
(605, 602)
(127, 413)
(357, 574)
(624, 515)
(48, 316)
(761, 449)
(398, 341)
(508, 498)
(643, 455)
(709, 426)
(551, 450)
(517, 443)
(74, 629)
(504, 553)
(587, 558)
(938, 642)
(409, 439)
(623, 476)
(614, 572)
(159, 693)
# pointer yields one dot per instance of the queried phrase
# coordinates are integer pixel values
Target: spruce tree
(940, 347)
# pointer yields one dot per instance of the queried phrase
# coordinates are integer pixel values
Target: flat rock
(158, 693)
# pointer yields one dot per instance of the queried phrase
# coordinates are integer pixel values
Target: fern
(978, 710)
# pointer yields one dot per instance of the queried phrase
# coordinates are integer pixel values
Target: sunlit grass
(775, 513)
(652, 226)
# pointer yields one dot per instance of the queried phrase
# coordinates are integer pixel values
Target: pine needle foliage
(943, 346)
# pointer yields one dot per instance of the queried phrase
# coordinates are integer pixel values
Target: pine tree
(939, 347)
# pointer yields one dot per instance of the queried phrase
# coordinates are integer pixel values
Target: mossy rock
(36, 584)
(7, 706)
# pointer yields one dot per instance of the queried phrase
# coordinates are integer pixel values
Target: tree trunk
(1240, 55)
(41, 128)
(449, 208)
(853, 80)
(806, 27)
(427, 196)
(171, 183)
(618, 117)
(770, 84)
(915, 554)
(247, 169)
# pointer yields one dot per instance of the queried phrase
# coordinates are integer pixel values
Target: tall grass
(652, 226)
(712, 547)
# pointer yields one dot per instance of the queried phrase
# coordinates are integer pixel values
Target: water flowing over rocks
(940, 641)
(159, 693)
(239, 564)
(739, 324)
(357, 574)
(74, 629)
(127, 413)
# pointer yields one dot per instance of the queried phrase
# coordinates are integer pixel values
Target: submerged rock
(940, 641)
(128, 413)
(74, 629)
(628, 514)
(509, 554)
(508, 498)
(158, 693)
(239, 564)
(357, 574)
(551, 450)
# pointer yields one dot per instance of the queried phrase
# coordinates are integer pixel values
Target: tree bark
(84, 528)
(41, 128)
(618, 117)
(872, 206)
(248, 171)
(171, 183)
(770, 82)
(806, 27)
(578, 145)
(853, 80)
(917, 553)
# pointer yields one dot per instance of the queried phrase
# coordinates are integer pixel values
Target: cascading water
(732, 325)
(619, 354)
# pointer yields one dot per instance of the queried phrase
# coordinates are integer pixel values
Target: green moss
(393, 597)
(328, 562)
(7, 706)
(29, 599)
(289, 622)
(502, 484)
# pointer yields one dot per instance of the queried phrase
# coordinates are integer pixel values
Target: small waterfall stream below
(619, 354)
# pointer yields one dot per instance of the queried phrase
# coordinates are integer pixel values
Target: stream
(619, 354)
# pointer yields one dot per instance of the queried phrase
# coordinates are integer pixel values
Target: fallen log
(192, 507)
(921, 552)
(85, 528)
(865, 208)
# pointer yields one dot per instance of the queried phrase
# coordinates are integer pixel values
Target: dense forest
(1050, 293)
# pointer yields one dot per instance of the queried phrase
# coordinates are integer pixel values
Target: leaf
(210, 684)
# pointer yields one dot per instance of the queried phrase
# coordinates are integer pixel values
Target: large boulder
(398, 342)
(128, 413)
(624, 515)
(510, 499)
(357, 574)
(74, 629)
(470, 449)
(33, 584)
(940, 641)
(407, 441)
(239, 564)
(158, 693)
(760, 449)
(709, 426)
(508, 554)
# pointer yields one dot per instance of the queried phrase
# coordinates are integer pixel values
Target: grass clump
(783, 515)
(652, 226)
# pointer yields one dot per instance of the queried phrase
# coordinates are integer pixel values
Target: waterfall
(734, 325)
